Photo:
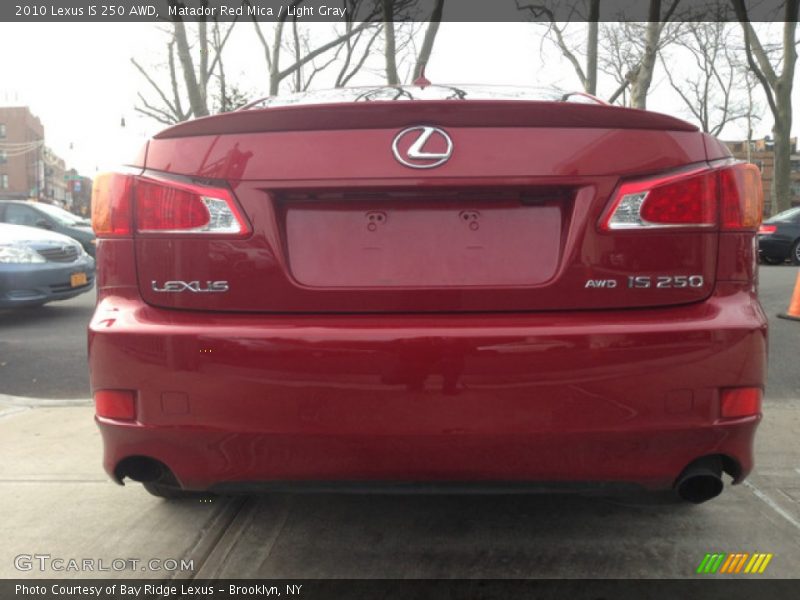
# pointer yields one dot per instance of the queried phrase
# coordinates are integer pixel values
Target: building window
(3, 157)
(3, 182)
(2, 130)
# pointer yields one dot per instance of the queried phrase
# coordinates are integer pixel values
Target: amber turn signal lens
(742, 197)
(111, 204)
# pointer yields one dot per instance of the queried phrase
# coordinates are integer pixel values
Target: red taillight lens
(115, 404)
(163, 206)
(740, 402)
(111, 204)
(767, 229)
(176, 207)
(742, 197)
(730, 196)
(686, 199)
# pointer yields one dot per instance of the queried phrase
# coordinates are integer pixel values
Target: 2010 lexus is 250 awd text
(429, 287)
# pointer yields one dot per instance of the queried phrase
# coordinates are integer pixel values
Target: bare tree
(349, 57)
(776, 76)
(710, 89)
(171, 110)
(198, 61)
(588, 10)
(396, 50)
(355, 52)
(272, 47)
(431, 30)
(390, 43)
(632, 49)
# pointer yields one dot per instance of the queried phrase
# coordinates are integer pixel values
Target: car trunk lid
(508, 223)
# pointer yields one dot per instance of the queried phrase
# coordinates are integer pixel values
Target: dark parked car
(428, 287)
(38, 266)
(779, 238)
(48, 216)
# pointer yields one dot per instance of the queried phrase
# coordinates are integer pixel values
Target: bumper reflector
(740, 402)
(115, 404)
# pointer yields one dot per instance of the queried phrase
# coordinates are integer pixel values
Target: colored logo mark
(734, 563)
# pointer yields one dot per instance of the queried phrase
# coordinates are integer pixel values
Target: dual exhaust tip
(701, 480)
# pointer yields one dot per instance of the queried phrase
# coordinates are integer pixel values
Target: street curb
(24, 401)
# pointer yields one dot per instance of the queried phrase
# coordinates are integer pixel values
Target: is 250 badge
(648, 281)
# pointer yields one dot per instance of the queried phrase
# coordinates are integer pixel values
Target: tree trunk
(196, 98)
(782, 129)
(778, 89)
(782, 174)
(298, 74)
(591, 47)
(275, 66)
(430, 37)
(644, 75)
(392, 78)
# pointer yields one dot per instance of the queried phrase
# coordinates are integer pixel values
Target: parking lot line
(772, 504)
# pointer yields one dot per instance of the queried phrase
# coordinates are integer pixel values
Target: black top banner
(106, 11)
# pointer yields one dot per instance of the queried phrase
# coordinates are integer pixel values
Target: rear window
(428, 92)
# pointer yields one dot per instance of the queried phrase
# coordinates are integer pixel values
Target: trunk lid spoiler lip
(380, 114)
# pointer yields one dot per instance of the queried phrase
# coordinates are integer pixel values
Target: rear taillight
(728, 196)
(170, 207)
(148, 205)
(767, 229)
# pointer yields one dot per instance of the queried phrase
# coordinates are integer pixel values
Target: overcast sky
(78, 79)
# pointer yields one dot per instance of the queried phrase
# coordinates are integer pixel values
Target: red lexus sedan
(429, 287)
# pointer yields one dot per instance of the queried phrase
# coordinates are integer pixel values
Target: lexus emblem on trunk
(422, 147)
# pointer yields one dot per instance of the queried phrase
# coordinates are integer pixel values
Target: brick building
(21, 153)
(54, 189)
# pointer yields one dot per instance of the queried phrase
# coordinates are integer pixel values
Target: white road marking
(772, 504)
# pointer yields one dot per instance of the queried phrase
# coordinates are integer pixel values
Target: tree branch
(154, 85)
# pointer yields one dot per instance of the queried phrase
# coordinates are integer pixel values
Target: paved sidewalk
(57, 500)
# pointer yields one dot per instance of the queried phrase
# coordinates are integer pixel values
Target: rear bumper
(228, 401)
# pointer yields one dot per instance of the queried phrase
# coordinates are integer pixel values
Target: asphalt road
(775, 291)
(43, 350)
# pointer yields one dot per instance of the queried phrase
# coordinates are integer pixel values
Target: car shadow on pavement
(433, 536)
